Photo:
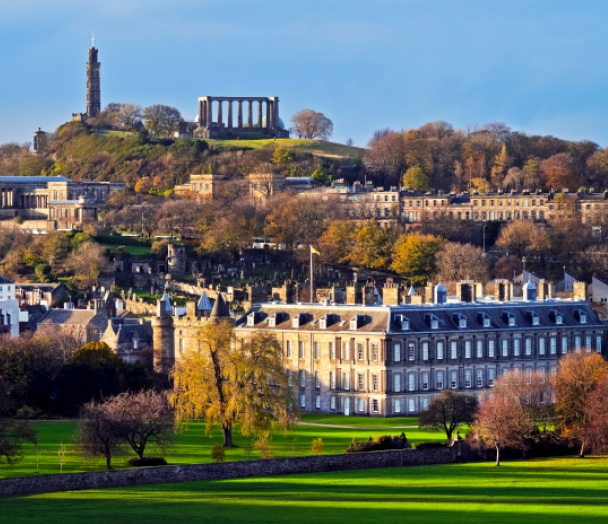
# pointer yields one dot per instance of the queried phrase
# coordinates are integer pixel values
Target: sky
(537, 65)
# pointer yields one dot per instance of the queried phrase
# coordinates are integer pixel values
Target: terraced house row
(389, 360)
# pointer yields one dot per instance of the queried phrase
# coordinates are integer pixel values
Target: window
(535, 320)
(412, 405)
(578, 342)
(480, 378)
(479, 348)
(462, 323)
(302, 401)
(541, 346)
(467, 378)
(588, 342)
(439, 350)
(564, 344)
(453, 380)
(516, 347)
(425, 351)
(467, 349)
(434, 324)
(528, 346)
(302, 378)
(360, 382)
(411, 352)
(583, 318)
(440, 380)
(317, 350)
(453, 349)
(374, 382)
(397, 352)
(332, 380)
(181, 346)
(346, 381)
(528, 375)
(397, 383)
(374, 352)
(360, 405)
(289, 378)
(317, 380)
(301, 349)
(397, 406)
(425, 381)
(491, 348)
(332, 351)
(553, 345)
(317, 401)
(598, 343)
(511, 320)
(332, 402)
(359, 351)
(345, 351)
(375, 406)
(288, 348)
(559, 319)
(411, 382)
(491, 376)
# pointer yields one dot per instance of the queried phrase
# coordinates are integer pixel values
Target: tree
(447, 411)
(317, 446)
(515, 413)
(560, 172)
(522, 238)
(142, 419)
(578, 375)
(13, 433)
(456, 261)
(98, 434)
(414, 257)
(501, 165)
(87, 263)
(596, 414)
(372, 248)
(336, 243)
(311, 124)
(597, 170)
(226, 383)
(415, 179)
(161, 120)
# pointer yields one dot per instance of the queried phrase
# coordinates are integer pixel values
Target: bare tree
(447, 411)
(87, 263)
(457, 262)
(161, 120)
(311, 124)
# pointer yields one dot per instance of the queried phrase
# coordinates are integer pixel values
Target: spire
(92, 39)
(220, 309)
(204, 304)
(412, 291)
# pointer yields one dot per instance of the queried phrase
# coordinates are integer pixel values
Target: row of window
(345, 351)
(525, 202)
(334, 404)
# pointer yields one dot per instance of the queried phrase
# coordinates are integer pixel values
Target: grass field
(320, 148)
(552, 491)
(194, 446)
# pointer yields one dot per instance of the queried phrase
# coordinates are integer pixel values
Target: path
(337, 426)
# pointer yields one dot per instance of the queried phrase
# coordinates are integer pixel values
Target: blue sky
(539, 66)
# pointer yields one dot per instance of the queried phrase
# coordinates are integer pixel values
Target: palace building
(390, 360)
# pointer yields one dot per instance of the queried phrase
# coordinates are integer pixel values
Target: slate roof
(32, 179)
(126, 330)
(5, 280)
(74, 316)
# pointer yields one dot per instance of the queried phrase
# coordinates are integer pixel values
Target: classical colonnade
(266, 106)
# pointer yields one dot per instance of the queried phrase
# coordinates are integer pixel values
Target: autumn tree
(596, 416)
(372, 246)
(228, 382)
(515, 413)
(501, 165)
(597, 170)
(160, 119)
(87, 263)
(578, 375)
(560, 172)
(415, 179)
(447, 411)
(336, 242)
(523, 238)
(385, 153)
(456, 261)
(414, 257)
(312, 124)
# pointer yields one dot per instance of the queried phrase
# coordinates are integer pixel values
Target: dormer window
(272, 321)
(559, 319)
(511, 321)
(535, 320)
(462, 323)
(295, 321)
(434, 323)
(405, 323)
(323, 322)
(251, 320)
(486, 322)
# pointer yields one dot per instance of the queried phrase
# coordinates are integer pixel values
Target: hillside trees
(415, 179)
(87, 262)
(414, 257)
(457, 262)
(560, 171)
(522, 238)
(227, 383)
(160, 119)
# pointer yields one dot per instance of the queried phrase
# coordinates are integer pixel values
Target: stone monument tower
(93, 85)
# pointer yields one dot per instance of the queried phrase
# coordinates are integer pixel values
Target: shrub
(317, 446)
(430, 445)
(147, 461)
(382, 442)
(218, 454)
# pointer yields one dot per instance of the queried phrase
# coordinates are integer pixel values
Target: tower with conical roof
(93, 82)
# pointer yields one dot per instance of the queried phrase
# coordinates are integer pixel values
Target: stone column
(3, 196)
(201, 113)
(230, 114)
(250, 114)
(239, 114)
(219, 114)
(209, 108)
(268, 112)
(275, 110)
(12, 197)
(260, 114)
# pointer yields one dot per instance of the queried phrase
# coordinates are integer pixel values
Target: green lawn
(551, 491)
(194, 446)
(321, 148)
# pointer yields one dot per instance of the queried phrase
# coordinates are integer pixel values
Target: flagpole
(312, 284)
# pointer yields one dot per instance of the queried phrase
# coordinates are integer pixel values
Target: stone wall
(232, 470)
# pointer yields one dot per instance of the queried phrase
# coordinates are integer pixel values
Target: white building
(9, 307)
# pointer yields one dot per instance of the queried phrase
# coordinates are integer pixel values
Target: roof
(38, 285)
(127, 330)
(5, 280)
(33, 179)
(204, 304)
(74, 316)
(388, 319)
(220, 309)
